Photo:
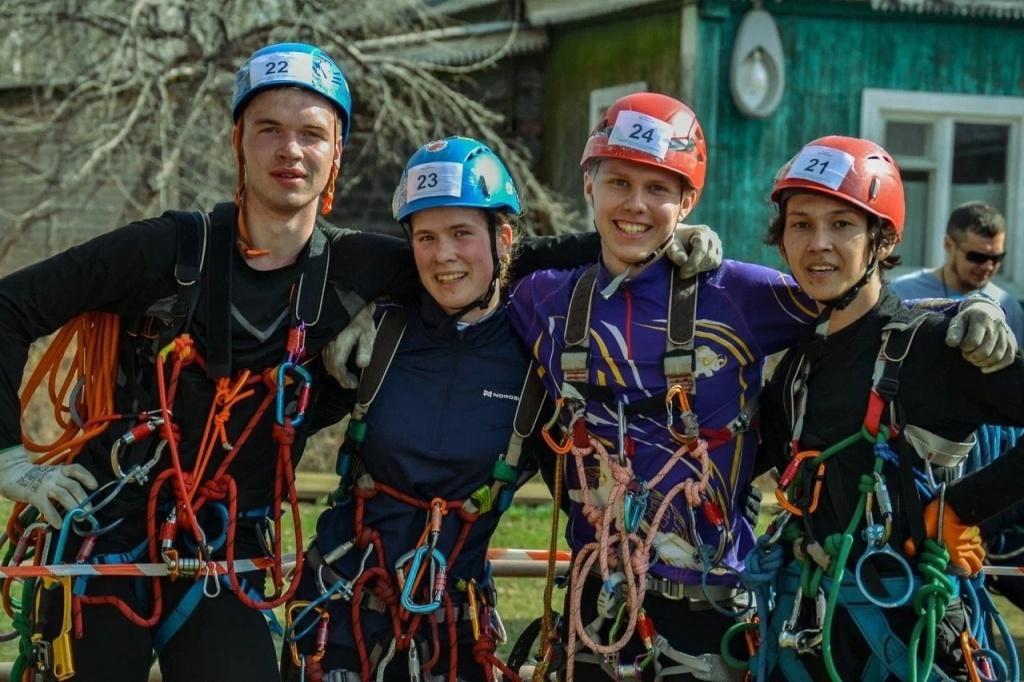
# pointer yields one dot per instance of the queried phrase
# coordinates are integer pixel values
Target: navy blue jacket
(442, 417)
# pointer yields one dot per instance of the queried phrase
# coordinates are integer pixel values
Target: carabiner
(305, 381)
(790, 474)
(635, 505)
(437, 561)
(691, 426)
(386, 659)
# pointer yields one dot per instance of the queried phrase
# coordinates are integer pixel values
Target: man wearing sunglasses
(975, 245)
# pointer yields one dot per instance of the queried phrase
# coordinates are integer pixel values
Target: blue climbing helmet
(293, 65)
(455, 172)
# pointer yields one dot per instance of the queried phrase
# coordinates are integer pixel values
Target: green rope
(930, 603)
(22, 624)
(731, 634)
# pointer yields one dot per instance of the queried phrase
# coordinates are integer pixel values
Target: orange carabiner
(438, 508)
(678, 391)
(565, 446)
(968, 645)
(790, 473)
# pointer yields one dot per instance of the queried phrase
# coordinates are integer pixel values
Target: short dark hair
(977, 217)
(882, 232)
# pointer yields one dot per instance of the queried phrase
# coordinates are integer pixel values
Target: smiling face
(636, 208)
(827, 245)
(289, 142)
(452, 248)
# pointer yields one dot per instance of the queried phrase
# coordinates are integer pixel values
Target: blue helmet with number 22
(293, 65)
(455, 172)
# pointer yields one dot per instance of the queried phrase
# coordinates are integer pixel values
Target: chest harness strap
(422, 572)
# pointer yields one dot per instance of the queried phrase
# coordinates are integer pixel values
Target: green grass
(520, 600)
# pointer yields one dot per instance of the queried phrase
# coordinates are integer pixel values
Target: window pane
(979, 169)
(979, 153)
(915, 232)
(907, 139)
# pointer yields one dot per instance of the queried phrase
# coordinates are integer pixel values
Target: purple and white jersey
(744, 313)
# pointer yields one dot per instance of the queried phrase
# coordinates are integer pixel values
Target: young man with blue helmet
(208, 306)
(417, 496)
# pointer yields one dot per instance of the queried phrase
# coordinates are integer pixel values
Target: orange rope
(94, 338)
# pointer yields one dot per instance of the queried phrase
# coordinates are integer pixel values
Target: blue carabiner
(437, 561)
(302, 392)
(635, 507)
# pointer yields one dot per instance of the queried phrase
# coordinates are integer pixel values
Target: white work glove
(42, 485)
(981, 333)
(358, 335)
(694, 249)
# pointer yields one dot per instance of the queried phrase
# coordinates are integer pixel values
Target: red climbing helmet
(655, 130)
(851, 169)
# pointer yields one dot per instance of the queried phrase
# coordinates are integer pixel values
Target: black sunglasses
(979, 258)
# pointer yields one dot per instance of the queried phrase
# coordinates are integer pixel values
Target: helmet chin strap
(844, 300)
(617, 281)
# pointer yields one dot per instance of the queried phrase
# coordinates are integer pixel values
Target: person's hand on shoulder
(982, 334)
(694, 249)
(358, 336)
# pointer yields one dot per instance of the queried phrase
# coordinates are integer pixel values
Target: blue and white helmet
(455, 172)
(293, 65)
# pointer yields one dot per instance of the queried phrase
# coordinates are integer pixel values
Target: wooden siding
(623, 49)
(831, 56)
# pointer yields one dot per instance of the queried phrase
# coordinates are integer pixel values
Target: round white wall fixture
(757, 76)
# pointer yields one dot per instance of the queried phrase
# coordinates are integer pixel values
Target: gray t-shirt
(924, 284)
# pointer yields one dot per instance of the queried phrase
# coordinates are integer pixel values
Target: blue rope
(760, 574)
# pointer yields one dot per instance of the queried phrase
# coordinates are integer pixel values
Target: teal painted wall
(832, 54)
(582, 58)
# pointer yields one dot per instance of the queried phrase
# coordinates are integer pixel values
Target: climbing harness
(416, 590)
(626, 518)
(819, 577)
(179, 542)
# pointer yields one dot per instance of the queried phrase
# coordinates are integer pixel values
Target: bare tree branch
(130, 101)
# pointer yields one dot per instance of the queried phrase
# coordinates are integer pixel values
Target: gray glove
(981, 333)
(359, 335)
(42, 485)
(695, 249)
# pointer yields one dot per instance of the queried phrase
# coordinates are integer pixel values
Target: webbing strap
(678, 360)
(577, 318)
(218, 291)
(389, 335)
(309, 299)
(682, 311)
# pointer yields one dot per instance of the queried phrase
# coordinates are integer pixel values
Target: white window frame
(943, 111)
(602, 98)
